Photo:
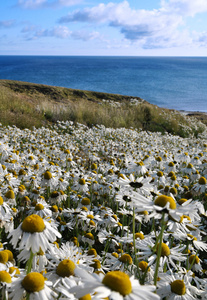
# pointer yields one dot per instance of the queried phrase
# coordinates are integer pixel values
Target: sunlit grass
(26, 105)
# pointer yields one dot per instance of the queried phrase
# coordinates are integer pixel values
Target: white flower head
(35, 233)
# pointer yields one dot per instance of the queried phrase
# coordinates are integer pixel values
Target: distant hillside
(27, 104)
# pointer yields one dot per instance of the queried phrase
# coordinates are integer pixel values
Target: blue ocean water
(171, 82)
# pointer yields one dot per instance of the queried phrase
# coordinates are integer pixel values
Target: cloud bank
(60, 32)
(163, 27)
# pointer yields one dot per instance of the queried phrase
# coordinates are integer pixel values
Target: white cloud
(32, 33)
(148, 28)
(35, 4)
(85, 36)
(7, 23)
(68, 2)
(200, 38)
(133, 24)
(185, 7)
(28, 28)
(61, 32)
(31, 4)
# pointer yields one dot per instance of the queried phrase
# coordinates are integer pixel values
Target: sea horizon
(174, 82)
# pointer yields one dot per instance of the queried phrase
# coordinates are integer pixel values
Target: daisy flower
(33, 284)
(170, 256)
(176, 287)
(41, 208)
(115, 284)
(201, 186)
(35, 233)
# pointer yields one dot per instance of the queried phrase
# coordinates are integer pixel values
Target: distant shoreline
(192, 113)
(170, 82)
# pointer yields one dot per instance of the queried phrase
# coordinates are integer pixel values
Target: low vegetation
(26, 105)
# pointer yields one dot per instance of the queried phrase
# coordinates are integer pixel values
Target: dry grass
(26, 105)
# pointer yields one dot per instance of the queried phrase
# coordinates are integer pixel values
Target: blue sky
(91, 27)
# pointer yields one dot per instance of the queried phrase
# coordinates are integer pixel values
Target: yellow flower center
(12, 269)
(89, 236)
(1, 200)
(143, 265)
(126, 259)
(92, 223)
(92, 251)
(110, 171)
(202, 181)
(39, 206)
(10, 255)
(170, 174)
(173, 178)
(94, 166)
(118, 281)
(185, 217)
(67, 151)
(165, 249)
(115, 254)
(47, 175)
(182, 200)
(96, 264)
(178, 287)
(85, 201)
(22, 172)
(192, 237)
(158, 158)
(40, 252)
(173, 190)
(139, 235)
(194, 259)
(159, 173)
(84, 208)
(162, 200)
(90, 216)
(10, 194)
(115, 217)
(65, 268)
(86, 297)
(33, 282)
(82, 181)
(4, 257)
(5, 277)
(54, 208)
(54, 194)
(33, 223)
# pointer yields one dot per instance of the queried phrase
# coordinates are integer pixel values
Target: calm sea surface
(171, 82)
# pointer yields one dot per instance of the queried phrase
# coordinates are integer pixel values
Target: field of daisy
(102, 213)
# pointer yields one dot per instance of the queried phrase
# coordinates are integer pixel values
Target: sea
(171, 82)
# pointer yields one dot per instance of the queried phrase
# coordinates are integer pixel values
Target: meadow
(27, 104)
(95, 212)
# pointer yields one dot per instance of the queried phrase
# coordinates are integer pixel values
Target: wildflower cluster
(102, 213)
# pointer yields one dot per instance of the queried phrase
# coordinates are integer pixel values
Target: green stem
(27, 296)
(193, 261)
(134, 243)
(106, 250)
(29, 262)
(160, 238)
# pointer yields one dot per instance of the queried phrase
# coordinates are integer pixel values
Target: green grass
(26, 105)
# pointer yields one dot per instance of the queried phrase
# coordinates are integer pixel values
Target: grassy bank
(26, 105)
